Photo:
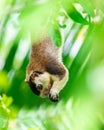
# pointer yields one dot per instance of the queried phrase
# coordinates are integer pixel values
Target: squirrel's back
(44, 53)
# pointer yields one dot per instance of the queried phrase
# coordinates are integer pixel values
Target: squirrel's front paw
(53, 96)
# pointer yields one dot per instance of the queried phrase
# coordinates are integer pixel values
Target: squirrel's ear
(27, 79)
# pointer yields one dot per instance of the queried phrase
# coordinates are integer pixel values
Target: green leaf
(62, 26)
(3, 119)
(4, 81)
(79, 61)
(7, 100)
(55, 36)
(33, 128)
(76, 16)
(73, 13)
(11, 55)
(88, 6)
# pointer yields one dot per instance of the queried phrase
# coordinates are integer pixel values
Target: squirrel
(45, 73)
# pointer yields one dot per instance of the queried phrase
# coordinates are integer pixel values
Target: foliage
(81, 105)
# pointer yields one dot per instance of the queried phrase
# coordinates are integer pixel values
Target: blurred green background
(81, 104)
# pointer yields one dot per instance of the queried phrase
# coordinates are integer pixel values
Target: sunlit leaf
(73, 13)
(4, 81)
(55, 36)
(88, 6)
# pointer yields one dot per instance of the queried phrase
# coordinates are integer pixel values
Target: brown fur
(46, 68)
(44, 57)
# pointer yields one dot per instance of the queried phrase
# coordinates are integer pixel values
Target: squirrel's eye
(40, 87)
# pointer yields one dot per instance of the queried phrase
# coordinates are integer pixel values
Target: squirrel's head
(39, 82)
